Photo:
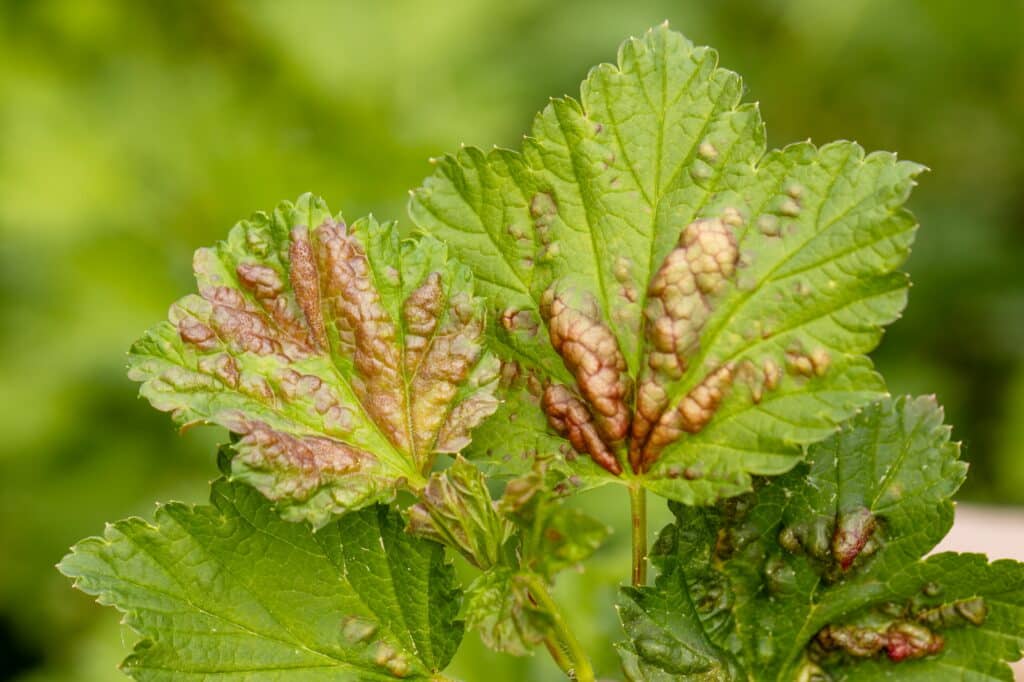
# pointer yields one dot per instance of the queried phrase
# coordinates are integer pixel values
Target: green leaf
(680, 301)
(343, 357)
(519, 543)
(498, 605)
(456, 510)
(818, 575)
(552, 536)
(235, 592)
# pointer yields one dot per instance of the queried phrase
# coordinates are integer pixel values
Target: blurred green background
(133, 132)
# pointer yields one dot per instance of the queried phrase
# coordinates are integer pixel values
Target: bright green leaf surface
(344, 357)
(778, 294)
(231, 591)
(757, 583)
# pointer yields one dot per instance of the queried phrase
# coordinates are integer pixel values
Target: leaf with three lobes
(817, 575)
(686, 307)
(343, 357)
(232, 591)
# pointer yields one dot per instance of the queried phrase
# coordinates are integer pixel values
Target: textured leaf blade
(343, 357)
(234, 591)
(742, 287)
(819, 573)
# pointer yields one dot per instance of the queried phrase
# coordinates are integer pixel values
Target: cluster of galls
(595, 414)
(899, 632)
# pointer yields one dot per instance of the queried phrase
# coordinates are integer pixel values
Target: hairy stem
(579, 665)
(638, 515)
(558, 655)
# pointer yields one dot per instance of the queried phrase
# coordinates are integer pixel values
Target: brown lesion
(302, 464)
(453, 351)
(305, 281)
(596, 413)
(323, 305)
(364, 328)
(569, 416)
(692, 414)
(900, 641)
(591, 352)
(679, 304)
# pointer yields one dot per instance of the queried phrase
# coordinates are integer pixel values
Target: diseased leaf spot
(853, 530)
(300, 345)
(569, 416)
(902, 640)
(306, 283)
(692, 414)
(365, 330)
(198, 334)
(592, 354)
(311, 461)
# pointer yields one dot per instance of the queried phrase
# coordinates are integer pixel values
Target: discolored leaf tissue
(686, 307)
(342, 357)
(817, 575)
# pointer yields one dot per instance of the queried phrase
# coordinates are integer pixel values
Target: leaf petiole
(638, 529)
(579, 665)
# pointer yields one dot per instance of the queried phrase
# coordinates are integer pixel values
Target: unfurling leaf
(344, 358)
(817, 575)
(550, 537)
(520, 543)
(232, 591)
(456, 510)
(679, 301)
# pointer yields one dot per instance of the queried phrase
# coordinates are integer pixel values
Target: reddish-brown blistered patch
(266, 286)
(568, 416)
(196, 333)
(306, 283)
(453, 352)
(310, 461)
(422, 310)
(247, 328)
(900, 641)
(590, 351)
(678, 307)
(853, 530)
(364, 327)
(691, 415)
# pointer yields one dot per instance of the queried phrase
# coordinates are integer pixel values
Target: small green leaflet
(817, 575)
(343, 357)
(234, 592)
(519, 543)
(687, 307)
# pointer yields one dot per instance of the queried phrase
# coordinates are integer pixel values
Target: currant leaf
(817, 575)
(343, 357)
(233, 591)
(686, 307)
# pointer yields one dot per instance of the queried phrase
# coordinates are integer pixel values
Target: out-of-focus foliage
(131, 133)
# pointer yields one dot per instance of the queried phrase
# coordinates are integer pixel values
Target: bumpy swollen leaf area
(683, 305)
(231, 591)
(817, 575)
(342, 357)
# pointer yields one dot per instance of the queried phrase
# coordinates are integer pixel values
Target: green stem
(558, 655)
(580, 668)
(638, 514)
